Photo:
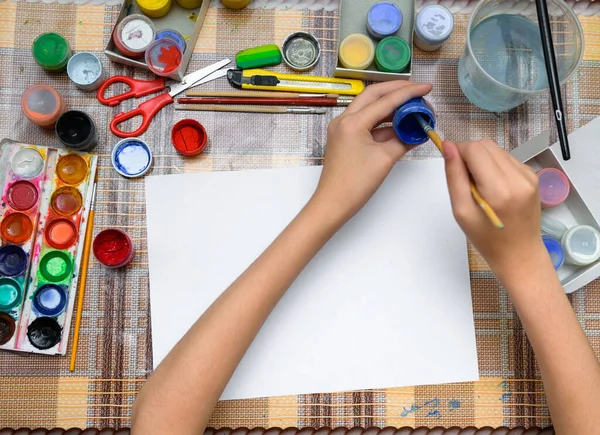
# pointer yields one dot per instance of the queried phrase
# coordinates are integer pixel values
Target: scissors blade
(193, 78)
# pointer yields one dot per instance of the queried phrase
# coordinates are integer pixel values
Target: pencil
(553, 79)
(437, 140)
(326, 102)
(84, 267)
(257, 94)
(251, 109)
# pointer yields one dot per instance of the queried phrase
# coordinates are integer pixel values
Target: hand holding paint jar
(358, 158)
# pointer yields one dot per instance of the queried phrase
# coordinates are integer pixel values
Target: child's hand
(511, 188)
(358, 158)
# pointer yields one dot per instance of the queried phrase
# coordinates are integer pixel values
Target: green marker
(51, 51)
(392, 54)
(258, 57)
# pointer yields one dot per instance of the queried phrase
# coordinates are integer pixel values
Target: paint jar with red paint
(164, 57)
(113, 248)
(42, 105)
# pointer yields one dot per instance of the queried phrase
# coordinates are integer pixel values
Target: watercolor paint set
(46, 196)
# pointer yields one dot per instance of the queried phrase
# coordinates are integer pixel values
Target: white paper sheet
(386, 303)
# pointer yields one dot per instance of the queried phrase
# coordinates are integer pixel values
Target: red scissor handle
(137, 88)
(146, 110)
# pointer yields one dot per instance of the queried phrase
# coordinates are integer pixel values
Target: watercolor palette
(46, 196)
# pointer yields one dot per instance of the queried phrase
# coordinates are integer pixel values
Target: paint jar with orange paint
(42, 105)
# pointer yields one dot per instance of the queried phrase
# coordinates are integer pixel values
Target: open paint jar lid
(392, 54)
(189, 137)
(51, 51)
(131, 158)
(133, 35)
(301, 51)
(113, 248)
(357, 51)
(42, 105)
(174, 35)
(164, 56)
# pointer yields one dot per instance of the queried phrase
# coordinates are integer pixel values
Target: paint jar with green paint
(10, 294)
(51, 51)
(56, 266)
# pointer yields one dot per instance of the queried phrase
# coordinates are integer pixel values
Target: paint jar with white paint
(581, 245)
(85, 70)
(433, 27)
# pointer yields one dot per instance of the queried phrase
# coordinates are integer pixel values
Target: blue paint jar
(174, 35)
(49, 300)
(406, 126)
(383, 19)
(555, 250)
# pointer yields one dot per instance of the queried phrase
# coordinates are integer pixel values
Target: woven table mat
(115, 343)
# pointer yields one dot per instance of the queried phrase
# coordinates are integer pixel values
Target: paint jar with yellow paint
(357, 51)
(189, 4)
(155, 8)
(235, 4)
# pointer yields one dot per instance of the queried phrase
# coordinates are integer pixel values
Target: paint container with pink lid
(133, 35)
(113, 248)
(554, 187)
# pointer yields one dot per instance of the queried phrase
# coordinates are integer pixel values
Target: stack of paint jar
(390, 52)
(578, 245)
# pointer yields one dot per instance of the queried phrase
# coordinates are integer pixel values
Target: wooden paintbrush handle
(243, 94)
(249, 109)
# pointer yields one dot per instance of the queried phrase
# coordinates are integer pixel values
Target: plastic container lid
(434, 24)
(51, 51)
(301, 51)
(174, 35)
(383, 19)
(134, 34)
(154, 8)
(392, 54)
(554, 187)
(581, 245)
(163, 57)
(131, 158)
(555, 250)
(406, 126)
(357, 51)
(42, 105)
(189, 137)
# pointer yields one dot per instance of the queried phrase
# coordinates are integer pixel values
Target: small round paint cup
(7, 328)
(189, 137)
(22, 195)
(49, 300)
(51, 51)
(357, 51)
(554, 187)
(76, 130)
(383, 19)
(174, 35)
(133, 35)
(16, 228)
(61, 233)
(13, 260)
(27, 163)
(113, 248)
(42, 105)
(85, 70)
(406, 126)
(44, 333)
(71, 169)
(555, 250)
(301, 51)
(10, 294)
(433, 27)
(56, 266)
(154, 8)
(392, 54)
(553, 227)
(581, 245)
(66, 201)
(163, 57)
(131, 158)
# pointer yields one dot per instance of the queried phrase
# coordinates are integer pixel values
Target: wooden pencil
(437, 140)
(257, 94)
(251, 109)
(82, 279)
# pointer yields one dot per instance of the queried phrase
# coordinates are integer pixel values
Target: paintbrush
(257, 94)
(552, 73)
(82, 279)
(328, 102)
(437, 140)
(251, 109)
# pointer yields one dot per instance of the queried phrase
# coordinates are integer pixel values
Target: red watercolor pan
(113, 248)
(22, 195)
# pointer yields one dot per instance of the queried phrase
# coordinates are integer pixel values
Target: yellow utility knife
(260, 79)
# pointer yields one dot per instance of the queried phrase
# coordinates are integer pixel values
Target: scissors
(148, 109)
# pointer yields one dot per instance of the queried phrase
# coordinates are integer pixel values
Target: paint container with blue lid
(131, 158)
(174, 35)
(383, 19)
(49, 300)
(555, 250)
(406, 126)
